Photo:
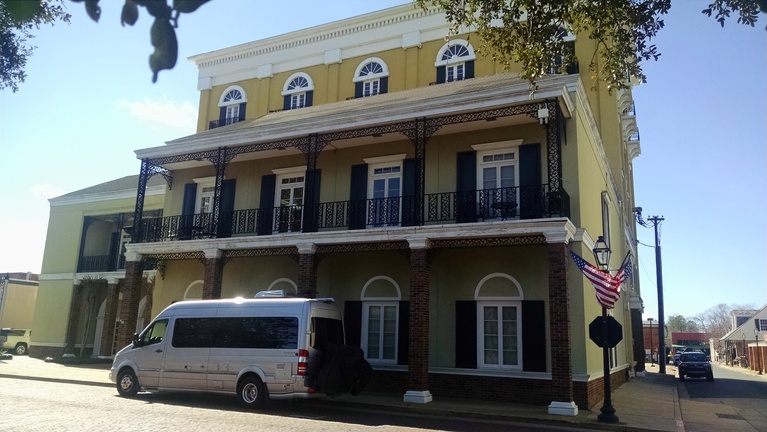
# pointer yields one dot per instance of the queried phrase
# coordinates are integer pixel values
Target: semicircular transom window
(233, 96)
(455, 51)
(371, 78)
(298, 83)
(455, 61)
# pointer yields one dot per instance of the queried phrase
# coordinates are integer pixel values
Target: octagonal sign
(614, 332)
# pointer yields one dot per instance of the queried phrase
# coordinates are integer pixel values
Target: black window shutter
(312, 201)
(353, 322)
(384, 85)
(226, 209)
(468, 71)
(408, 192)
(286, 102)
(440, 74)
(466, 187)
(187, 212)
(533, 336)
(466, 334)
(266, 207)
(114, 244)
(242, 110)
(222, 116)
(403, 333)
(358, 89)
(530, 191)
(358, 195)
(309, 98)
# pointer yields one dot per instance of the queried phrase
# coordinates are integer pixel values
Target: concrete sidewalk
(649, 403)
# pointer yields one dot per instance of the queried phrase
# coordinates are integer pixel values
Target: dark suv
(694, 364)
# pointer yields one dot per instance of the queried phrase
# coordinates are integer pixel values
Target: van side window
(238, 332)
(154, 333)
(326, 331)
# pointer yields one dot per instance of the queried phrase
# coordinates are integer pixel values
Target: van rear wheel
(127, 383)
(250, 392)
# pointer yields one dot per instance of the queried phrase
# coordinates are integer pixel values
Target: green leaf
(129, 13)
(165, 47)
(187, 6)
(22, 10)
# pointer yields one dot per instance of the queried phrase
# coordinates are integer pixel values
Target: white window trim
(482, 301)
(289, 171)
(244, 98)
(472, 55)
(385, 159)
(388, 301)
(290, 79)
(358, 78)
(202, 183)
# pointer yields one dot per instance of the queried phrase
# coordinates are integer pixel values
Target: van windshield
(326, 331)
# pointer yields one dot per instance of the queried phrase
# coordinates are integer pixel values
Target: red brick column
(214, 271)
(418, 361)
(307, 270)
(110, 316)
(131, 291)
(559, 327)
(74, 319)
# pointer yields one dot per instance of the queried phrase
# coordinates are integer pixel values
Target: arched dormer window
(298, 91)
(455, 61)
(371, 78)
(231, 107)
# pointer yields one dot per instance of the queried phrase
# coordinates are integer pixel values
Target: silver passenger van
(252, 348)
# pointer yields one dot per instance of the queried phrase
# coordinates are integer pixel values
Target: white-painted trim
(381, 277)
(232, 102)
(417, 396)
(190, 286)
(452, 43)
(481, 340)
(290, 79)
(385, 159)
(205, 180)
(104, 196)
(516, 283)
(358, 78)
(500, 145)
(290, 170)
(280, 280)
(411, 40)
(333, 56)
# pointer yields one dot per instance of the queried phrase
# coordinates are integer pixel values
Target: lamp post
(652, 360)
(607, 415)
(757, 365)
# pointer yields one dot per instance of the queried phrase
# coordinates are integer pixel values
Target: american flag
(608, 287)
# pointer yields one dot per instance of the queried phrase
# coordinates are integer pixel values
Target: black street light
(607, 415)
(652, 359)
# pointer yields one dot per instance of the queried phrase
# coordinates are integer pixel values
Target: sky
(88, 103)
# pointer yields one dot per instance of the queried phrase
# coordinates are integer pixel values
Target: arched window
(380, 320)
(231, 107)
(298, 91)
(499, 322)
(455, 61)
(371, 78)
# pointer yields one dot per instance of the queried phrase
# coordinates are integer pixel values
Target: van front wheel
(127, 383)
(250, 392)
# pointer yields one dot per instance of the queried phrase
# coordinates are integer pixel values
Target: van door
(150, 353)
(186, 357)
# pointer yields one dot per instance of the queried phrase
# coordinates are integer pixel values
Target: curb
(58, 380)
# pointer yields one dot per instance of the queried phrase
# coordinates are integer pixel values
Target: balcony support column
(110, 318)
(214, 271)
(418, 361)
(311, 150)
(131, 294)
(559, 327)
(148, 169)
(220, 160)
(74, 319)
(307, 270)
(554, 132)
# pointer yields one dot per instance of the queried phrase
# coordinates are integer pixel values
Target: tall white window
(385, 189)
(380, 320)
(499, 322)
(206, 188)
(289, 198)
(370, 73)
(453, 56)
(297, 88)
(498, 178)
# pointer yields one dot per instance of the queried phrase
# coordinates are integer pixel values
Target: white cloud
(167, 113)
(45, 191)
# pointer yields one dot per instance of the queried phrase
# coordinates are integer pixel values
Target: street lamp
(757, 356)
(602, 256)
(652, 360)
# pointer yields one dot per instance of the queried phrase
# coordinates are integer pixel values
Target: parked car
(16, 340)
(694, 364)
(675, 358)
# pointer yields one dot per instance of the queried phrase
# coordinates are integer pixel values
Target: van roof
(239, 301)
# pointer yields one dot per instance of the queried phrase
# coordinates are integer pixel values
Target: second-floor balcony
(478, 206)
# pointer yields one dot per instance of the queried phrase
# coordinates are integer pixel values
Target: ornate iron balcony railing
(223, 122)
(520, 202)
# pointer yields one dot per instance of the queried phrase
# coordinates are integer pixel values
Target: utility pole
(656, 220)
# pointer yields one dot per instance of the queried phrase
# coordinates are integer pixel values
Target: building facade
(427, 190)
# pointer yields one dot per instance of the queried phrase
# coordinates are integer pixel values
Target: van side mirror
(135, 340)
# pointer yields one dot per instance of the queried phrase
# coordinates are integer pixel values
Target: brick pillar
(110, 317)
(559, 327)
(214, 271)
(418, 361)
(74, 319)
(131, 294)
(307, 270)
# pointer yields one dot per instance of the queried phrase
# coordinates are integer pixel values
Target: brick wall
(588, 395)
(419, 320)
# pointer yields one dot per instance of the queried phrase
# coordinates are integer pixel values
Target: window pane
(489, 178)
(507, 176)
(393, 187)
(490, 313)
(379, 188)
